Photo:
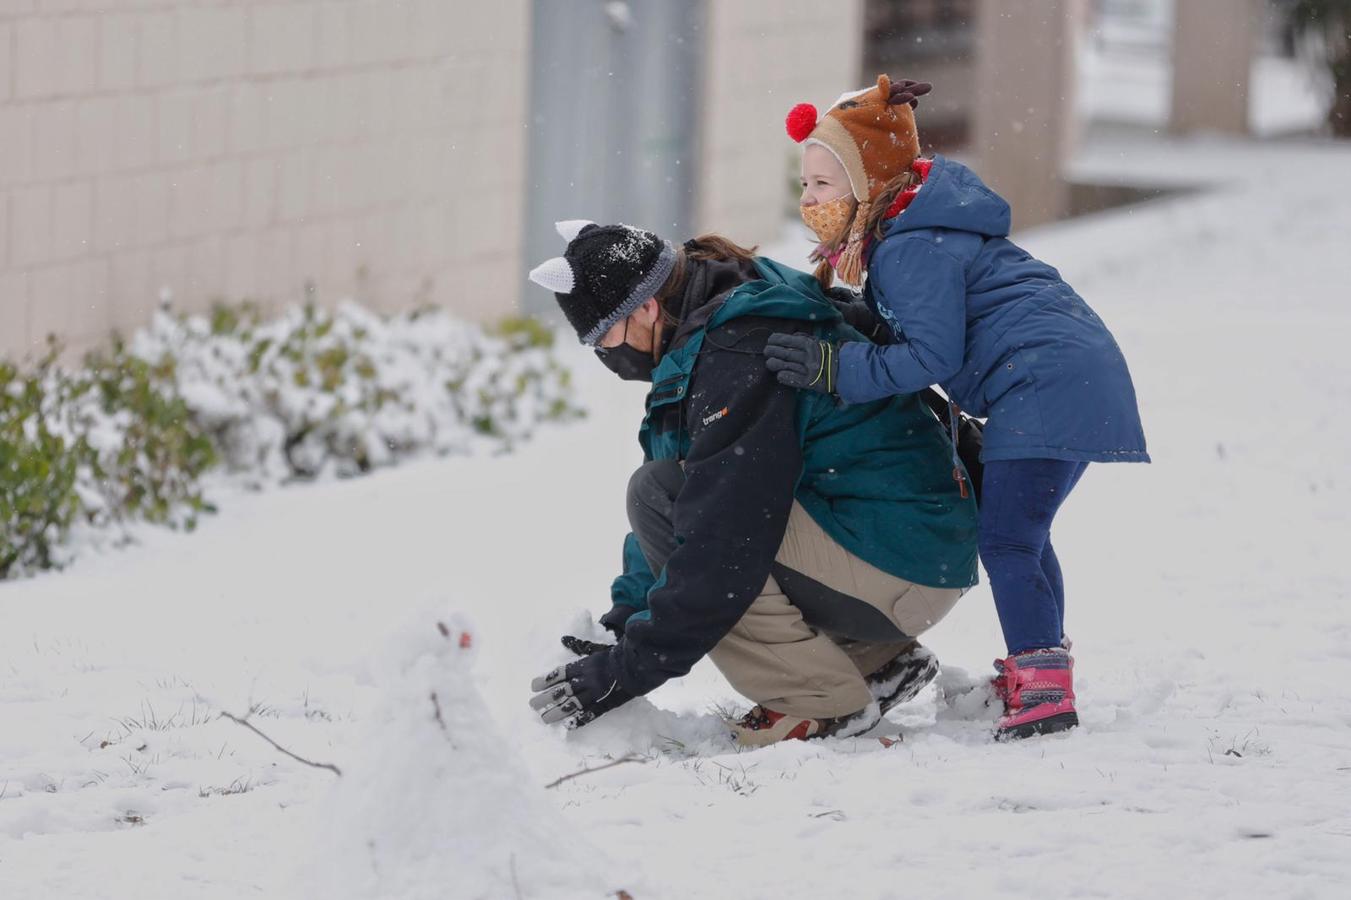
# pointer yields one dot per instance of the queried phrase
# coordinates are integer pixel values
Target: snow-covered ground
(1208, 605)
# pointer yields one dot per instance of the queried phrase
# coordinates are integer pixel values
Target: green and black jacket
(877, 477)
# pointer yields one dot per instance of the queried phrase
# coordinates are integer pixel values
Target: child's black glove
(577, 693)
(802, 361)
(859, 316)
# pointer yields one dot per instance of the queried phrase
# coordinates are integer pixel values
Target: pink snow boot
(1037, 688)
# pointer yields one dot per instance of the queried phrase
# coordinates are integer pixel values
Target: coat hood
(707, 284)
(776, 290)
(954, 197)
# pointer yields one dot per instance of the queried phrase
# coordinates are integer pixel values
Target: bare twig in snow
(628, 758)
(238, 721)
(436, 707)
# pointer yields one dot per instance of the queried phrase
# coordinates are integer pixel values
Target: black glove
(583, 647)
(578, 692)
(613, 621)
(802, 361)
(859, 316)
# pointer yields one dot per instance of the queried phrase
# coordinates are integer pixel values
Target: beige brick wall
(231, 149)
(763, 57)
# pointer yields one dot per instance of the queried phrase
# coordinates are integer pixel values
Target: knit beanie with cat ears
(871, 132)
(606, 272)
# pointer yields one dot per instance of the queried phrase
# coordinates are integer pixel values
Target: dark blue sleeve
(630, 589)
(920, 290)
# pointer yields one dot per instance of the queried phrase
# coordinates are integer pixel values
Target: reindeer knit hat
(872, 133)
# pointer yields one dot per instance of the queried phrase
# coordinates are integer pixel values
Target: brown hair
(877, 214)
(704, 247)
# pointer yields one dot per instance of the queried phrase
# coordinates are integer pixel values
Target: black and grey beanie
(605, 274)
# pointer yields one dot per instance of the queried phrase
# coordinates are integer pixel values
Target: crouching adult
(801, 545)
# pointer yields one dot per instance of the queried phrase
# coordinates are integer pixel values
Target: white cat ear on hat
(554, 274)
(568, 229)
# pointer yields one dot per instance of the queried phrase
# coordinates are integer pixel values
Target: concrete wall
(1214, 42)
(1025, 125)
(248, 148)
(763, 57)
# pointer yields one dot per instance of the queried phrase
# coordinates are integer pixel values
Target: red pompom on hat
(801, 121)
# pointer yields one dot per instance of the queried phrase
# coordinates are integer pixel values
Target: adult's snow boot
(763, 726)
(903, 677)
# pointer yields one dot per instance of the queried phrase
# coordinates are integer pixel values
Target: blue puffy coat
(1001, 332)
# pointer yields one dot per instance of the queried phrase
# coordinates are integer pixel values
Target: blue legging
(1019, 500)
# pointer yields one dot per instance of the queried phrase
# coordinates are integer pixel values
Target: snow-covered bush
(348, 390)
(144, 451)
(37, 473)
(109, 442)
(127, 435)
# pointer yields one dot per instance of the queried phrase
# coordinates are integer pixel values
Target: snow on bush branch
(127, 435)
(348, 390)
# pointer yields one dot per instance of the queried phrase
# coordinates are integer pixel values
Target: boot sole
(862, 721)
(844, 727)
(922, 674)
(1049, 725)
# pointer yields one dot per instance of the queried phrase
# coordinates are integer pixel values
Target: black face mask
(629, 363)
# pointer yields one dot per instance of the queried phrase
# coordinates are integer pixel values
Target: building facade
(412, 152)
(283, 151)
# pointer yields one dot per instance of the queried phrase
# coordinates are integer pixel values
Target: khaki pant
(774, 656)
(824, 620)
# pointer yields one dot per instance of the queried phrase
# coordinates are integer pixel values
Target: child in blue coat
(1002, 334)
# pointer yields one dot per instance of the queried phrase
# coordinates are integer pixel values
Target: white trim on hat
(820, 143)
(850, 95)
(831, 134)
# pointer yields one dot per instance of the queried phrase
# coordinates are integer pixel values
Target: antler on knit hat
(606, 272)
(872, 133)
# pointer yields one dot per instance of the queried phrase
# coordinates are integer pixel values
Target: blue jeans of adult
(1019, 500)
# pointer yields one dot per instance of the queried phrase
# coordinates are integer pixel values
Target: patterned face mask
(827, 220)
